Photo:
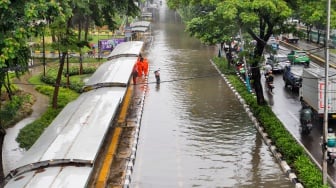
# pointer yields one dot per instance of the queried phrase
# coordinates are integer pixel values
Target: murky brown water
(194, 132)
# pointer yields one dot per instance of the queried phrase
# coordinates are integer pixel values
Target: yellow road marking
(103, 174)
(105, 170)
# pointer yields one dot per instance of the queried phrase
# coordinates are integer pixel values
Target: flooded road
(194, 132)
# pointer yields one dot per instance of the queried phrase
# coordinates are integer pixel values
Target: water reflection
(194, 131)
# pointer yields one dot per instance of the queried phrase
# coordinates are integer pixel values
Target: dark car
(292, 76)
(278, 62)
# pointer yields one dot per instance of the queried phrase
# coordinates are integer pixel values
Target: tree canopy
(20, 20)
(222, 19)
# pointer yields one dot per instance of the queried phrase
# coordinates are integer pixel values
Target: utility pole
(247, 79)
(44, 57)
(326, 105)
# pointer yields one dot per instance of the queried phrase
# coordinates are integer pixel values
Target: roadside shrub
(75, 71)
(30, 133)
(76, 82)
(308, 171)
(10, 108)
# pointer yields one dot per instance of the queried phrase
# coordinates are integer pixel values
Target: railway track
(112, 170)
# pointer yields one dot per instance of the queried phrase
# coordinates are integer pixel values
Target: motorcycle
(306, 115)
(331, 147)
(270, 86)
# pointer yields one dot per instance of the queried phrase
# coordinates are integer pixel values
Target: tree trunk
(2, 175)
(318, 36)
(257, 85)
(87, 24)
(256, 73)
(80, 48)
(58, 80)
(308, 30)
(7, 86)
(61, 67)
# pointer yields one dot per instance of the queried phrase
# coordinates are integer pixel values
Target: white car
(278, 62)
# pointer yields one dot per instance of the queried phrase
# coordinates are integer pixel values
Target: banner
(109, 44)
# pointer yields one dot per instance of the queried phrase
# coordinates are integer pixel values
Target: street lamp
(43, 46)
(326, 86)
(247, 80)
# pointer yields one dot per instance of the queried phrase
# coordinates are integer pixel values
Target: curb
(131, 161)
(285, 167)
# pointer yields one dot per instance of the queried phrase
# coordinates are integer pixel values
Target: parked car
(296, 56)
(278, 62)
(292, 76)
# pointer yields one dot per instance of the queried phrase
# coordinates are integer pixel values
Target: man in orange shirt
(145, 66)
(139, 66)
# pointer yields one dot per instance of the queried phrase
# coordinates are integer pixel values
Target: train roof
(140, 24)
(56, 177)
(140, 29)
(126, 49)
(77, 133)
(115, 72)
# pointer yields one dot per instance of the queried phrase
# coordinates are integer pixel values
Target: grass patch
(30, 133)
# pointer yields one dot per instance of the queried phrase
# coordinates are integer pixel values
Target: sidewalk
(11, 152)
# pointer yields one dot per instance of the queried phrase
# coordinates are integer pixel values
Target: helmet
(330, 130)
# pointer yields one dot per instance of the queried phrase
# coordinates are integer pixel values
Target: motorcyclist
(305, 115)
(330, 146)
(269, 78)
(331, 138)
(268, 69)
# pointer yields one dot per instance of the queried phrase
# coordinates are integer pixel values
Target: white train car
(64, 155)
(126, 49)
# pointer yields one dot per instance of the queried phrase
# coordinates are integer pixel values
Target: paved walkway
(12, 153)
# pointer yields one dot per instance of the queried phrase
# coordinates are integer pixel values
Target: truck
(312, 91)
(292, 77)
(290, 38)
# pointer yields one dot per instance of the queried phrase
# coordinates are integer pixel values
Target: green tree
(99, 13)
(64, 16)
(258, 18)
(313, 14)
(210, 28)
(14, 50)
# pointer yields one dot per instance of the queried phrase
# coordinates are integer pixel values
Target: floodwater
(194, 132)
